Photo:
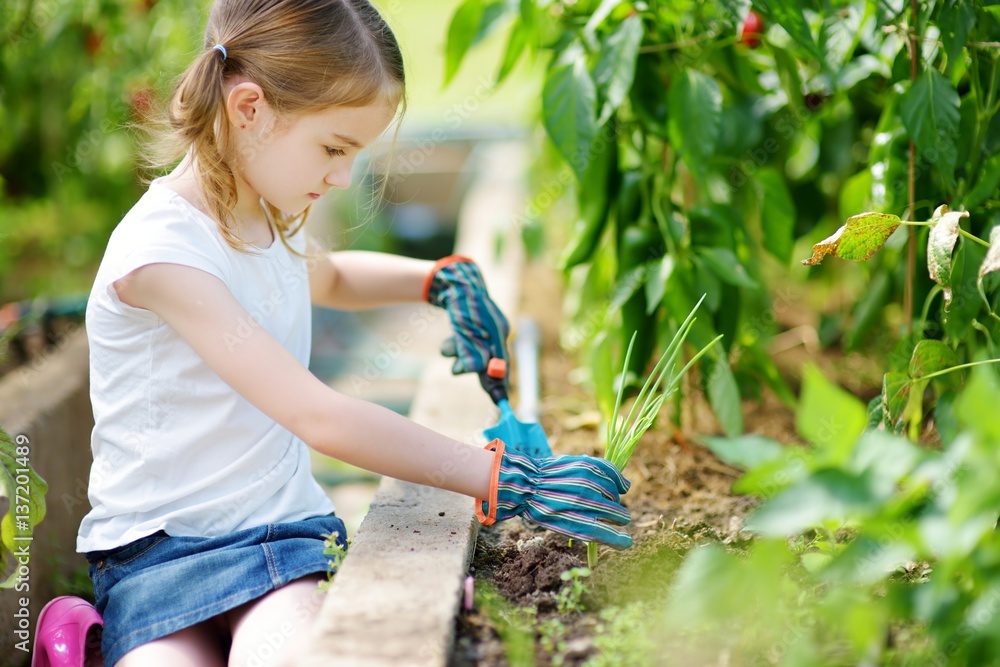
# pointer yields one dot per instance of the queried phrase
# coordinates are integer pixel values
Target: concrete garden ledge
(397, 593)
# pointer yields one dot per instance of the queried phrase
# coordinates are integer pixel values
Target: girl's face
(292, 162)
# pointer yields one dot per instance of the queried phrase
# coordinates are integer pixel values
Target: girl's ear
(244, 104)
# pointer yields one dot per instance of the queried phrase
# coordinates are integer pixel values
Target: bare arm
(203, 311)
(357, 279)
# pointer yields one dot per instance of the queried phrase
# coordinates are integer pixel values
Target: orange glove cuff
(438, 265)
(497, 446)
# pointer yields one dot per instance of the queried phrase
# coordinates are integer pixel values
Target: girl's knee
(276, 628)
(196, 646)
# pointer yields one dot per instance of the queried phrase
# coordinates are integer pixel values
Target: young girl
(206, 528)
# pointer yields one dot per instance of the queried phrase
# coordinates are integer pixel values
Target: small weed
(512, 624)
(623, 638)
(336, 553)
(568, 600)
(553, 639)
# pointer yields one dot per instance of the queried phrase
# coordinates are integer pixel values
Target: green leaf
(568, 109)
(599, 16)
(724, 397)
(931, 356)
(25, 491)
(956, 20)
(771, 476)
(603, 374)
(895, 396)
(695, 113)
(987, 185)
(727, 267)
(976, 406)
(929, 110)
(868, 561)
(839, 36)
(615, 68)
(828, 495)
(791, 82)
(733, 11)
(777, 213)
(829, 417)
(707, 283)
(964, 307)
(461, 33)
(789, 16)
(515, 47)
(656, 284)
(886, 458)
(493, 13)
(816, 561)
(627, 286)
(745, 451)
(940, 245)
(858, 240)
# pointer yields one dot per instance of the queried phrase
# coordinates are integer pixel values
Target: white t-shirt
(175, 447)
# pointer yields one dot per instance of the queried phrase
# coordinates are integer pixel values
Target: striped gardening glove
(481, 330)
(578, 496)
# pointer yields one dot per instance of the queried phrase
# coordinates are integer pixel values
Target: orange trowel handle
(493, 379)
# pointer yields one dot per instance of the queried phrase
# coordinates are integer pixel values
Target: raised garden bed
(533, 604)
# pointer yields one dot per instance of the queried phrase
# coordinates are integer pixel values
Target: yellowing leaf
(940, 244)
(858, 240)
(990, 264)
(992, 261)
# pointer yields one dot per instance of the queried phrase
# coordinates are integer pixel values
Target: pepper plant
(706, 139)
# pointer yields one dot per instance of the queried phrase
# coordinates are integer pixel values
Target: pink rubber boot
(61, 634)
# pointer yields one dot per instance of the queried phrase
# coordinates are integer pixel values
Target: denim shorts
(160, 584)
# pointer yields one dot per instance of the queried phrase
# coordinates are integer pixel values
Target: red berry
(753, 28)
(94, 42)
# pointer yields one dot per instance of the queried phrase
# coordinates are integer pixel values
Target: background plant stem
(911, 241)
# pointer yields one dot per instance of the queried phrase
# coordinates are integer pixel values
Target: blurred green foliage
(73, 75)
(870, 549)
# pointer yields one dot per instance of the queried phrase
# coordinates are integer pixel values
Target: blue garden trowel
(525, 438)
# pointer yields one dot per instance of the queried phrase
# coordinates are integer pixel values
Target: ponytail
(198, 117)
(306, 55)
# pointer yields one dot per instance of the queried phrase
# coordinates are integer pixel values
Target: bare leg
(274, 629)
(201, 645)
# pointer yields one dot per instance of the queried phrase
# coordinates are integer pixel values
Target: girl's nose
(340, 177)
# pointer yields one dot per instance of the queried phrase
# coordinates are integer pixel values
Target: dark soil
(680, 497)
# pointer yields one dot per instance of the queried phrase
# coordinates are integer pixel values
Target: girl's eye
(335, 151)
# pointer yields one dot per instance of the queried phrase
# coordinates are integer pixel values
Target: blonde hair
(306, 55)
